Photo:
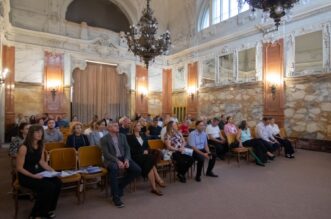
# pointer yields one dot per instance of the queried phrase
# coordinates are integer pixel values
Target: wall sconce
(53, 87)
(192, 91)
(3, 75)
(143, 92)
(274, 81)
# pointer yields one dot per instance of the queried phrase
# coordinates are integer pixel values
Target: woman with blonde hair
(77, 139)
(141, 155)
(175, 142)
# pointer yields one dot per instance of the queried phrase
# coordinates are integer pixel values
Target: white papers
(49, 174)
(188, 151)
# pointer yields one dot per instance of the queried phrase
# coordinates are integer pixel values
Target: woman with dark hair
(17, 141)
(30, 162)
(77, 139)
(141, 155)
(245, 140)
(175, 142)
(230, 128)
(33, 119)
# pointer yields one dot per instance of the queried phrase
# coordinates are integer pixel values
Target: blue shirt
(197, 140)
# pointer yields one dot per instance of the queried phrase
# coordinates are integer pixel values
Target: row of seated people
(117, 155)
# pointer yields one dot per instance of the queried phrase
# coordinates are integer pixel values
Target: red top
(183, 128)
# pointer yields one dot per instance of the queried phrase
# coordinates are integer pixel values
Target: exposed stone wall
(244, 101)
(308, 107)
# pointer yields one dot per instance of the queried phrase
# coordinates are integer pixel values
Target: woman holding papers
(30, 164)
(141, 155)
(181, 155)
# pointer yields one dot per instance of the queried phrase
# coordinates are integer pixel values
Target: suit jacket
(108, 148)
(136, 148)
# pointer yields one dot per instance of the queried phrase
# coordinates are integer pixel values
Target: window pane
(205, 20)
(233, 8)
(225, 10)
(246, 65)
(216, 11)
(245, 7)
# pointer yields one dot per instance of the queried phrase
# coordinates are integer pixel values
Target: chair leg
(78, 192)
(16, 204)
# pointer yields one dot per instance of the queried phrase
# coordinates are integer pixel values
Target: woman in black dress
(77, 139)
(140, 154)
(30, 162)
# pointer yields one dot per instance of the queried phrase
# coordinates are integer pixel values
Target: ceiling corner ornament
(275, 9)
(143, 41)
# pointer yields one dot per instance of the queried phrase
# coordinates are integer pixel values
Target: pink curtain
(97, 90)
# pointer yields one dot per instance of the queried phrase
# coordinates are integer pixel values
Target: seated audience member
(125, 124)
(289, 151)
(77, 139)
(17, 141)
(222, 122)
(164, 129)
(40, 121)
(33, 120)
(263, 132)
(90, 129)
(149, 118)
(137, 117)
(175, 142)
(174, 118)
(144, 131)
(62, 122)
(107, 118)
(45, 116)
(140, 154)
(260, 149)
(98, 133)
(116, 152)
(197, 140)
(230, 128)
(154, 130)
(52, 134)
(159, 121)
(184, 128)
(189, 119)
(216, 139)
(30, 162)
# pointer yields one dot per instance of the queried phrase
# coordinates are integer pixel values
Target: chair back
(282, 133)
(252, 130)
(89, 156)
(156, 144)
(54, 145)
(63, 159)
(223, 133)
(231, 138)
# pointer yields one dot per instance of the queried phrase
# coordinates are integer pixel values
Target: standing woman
(175, 142)
(140, 154)
(30, 162)
(77, 139)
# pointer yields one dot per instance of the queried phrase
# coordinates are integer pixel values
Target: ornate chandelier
(275, 9)
(142, 39)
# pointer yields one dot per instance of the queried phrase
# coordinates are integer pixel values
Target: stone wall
(241, 101)
(308, 107)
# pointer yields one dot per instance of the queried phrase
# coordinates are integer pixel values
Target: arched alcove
(98, 13)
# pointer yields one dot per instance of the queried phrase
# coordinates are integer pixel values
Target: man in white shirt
(216, 139)
(264, 132)
(289, 151)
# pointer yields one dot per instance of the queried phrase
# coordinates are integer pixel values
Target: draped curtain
(97, 90)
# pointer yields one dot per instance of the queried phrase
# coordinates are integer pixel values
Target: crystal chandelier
(142, 39)
(275, 9)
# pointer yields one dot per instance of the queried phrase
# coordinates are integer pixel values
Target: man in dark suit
(117, 157)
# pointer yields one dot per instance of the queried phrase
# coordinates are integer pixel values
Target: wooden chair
(92, 156)
(283, 134)
(18, 190)
(238, 151)
(163, 166)
(252, 130)
(66, 159)
(54, 145)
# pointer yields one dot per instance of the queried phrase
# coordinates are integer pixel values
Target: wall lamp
(274, 81)
(143, 92)
(53, 87)
(3, 75)
(192, 90)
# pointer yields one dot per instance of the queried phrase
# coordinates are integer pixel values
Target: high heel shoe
(156, 192)
(161, 184)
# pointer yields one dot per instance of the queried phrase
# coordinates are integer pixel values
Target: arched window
(220, 10)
